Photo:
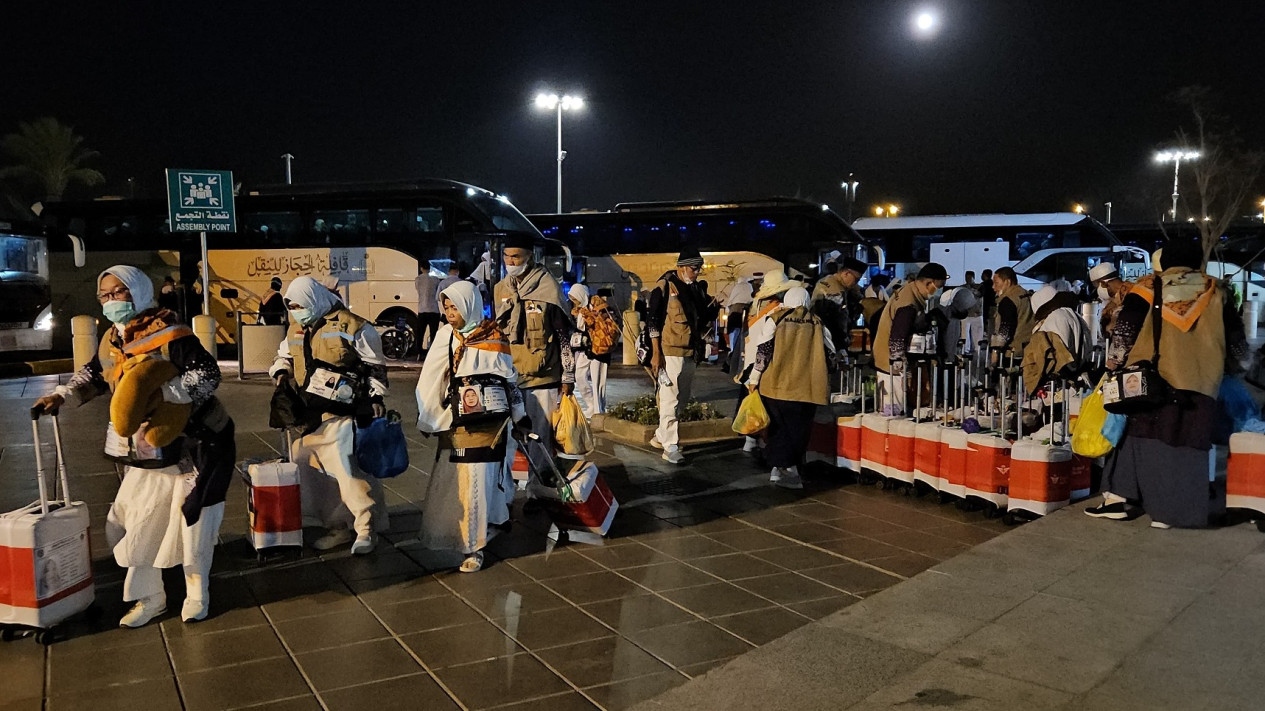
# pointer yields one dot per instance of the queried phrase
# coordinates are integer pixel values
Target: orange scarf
(486, 337)
(764, 312)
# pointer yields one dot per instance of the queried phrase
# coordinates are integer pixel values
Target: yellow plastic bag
(752, 418)
(571, 433)
(1087, 438)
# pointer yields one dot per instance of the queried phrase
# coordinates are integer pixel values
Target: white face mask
(515, 271)
(1103, 294)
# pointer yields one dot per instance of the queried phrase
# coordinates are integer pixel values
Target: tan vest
(538, 359)
(1023, 329)
(798, 370)
(1190, 360)
(883, 339)
(675, 339)
(332, 343)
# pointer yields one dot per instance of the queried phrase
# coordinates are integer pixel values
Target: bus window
(276, 228)
(428, 219)
(1065, 265)
(389, 221)
(340, 223)
(21, 255)
(1026, 244)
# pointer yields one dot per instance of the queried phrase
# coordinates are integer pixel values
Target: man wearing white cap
(1111, 290)
(760, 329)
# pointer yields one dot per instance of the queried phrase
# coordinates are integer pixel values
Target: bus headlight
(44, 322)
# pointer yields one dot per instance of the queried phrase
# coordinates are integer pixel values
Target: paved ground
(704, 564)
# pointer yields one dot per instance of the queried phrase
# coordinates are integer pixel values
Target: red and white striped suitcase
(954, 446)
(45, 559)
(579, 501)
(900, 450)
(1040, 477)
(849, 443)
(988, 468)
(927, 454)
(823, 441)
(1245, 472)
(874, 443)
(274, 502)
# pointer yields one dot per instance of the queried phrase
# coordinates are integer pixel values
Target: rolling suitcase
(988, 461)
(1245, 473)
(954, 441)
(927, 443)
(578, 501)
(1082, 477)
(45, 560)
(1041, 471)
(274, 502)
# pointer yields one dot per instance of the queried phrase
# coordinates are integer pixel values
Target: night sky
(1011, 107)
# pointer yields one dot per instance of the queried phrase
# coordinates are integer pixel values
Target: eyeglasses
(120, 294)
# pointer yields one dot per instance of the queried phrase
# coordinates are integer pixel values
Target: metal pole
(561, 155)
(206, 280)
(287, 157)
(1177, 162)
(1108, 213)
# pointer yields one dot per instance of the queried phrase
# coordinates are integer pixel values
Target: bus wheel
(399, 334)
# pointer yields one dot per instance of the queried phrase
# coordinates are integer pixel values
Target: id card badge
(330, 385)
(1111, 391)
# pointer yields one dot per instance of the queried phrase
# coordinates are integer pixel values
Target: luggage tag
(332, 386)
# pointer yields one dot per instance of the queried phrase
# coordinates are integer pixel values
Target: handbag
(380, 448)
(1139, 388)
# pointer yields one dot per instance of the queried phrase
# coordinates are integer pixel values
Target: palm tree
(49, 157)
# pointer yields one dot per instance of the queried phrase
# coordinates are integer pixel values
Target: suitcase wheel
(46, 637)
(1260, 525)
(946, 497)
(8, 634)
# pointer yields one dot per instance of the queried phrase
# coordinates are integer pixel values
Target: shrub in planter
(644, 411)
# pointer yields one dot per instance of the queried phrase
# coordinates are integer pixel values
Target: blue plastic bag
(1236, 408)
(1113, 428)
(381, 450)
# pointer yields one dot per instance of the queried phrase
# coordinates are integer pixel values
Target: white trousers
(147, 531)
(590, 383)
(335, 492)
(972, 332)
(672, 399)
(891, 391)
(541, 403)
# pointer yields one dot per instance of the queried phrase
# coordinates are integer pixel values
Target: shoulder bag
(1139, 388)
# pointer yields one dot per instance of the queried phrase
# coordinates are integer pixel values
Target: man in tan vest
(904, 316)
(679, 313)
(1014, 321)
(536, 318)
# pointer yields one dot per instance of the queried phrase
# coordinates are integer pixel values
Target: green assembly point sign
(201, 200)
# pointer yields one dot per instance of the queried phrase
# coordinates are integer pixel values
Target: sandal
(472, 563)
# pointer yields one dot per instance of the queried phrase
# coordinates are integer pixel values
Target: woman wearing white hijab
(334, 358)
(167, 515)
(790, 372)
(590, 368)
(470, 487)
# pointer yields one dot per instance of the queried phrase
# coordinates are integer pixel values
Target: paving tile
(638, 612)
(514, 600)
(818, 609)
(625, 556)
(811, 532)
(72, 672)
(602, 661)
(307, 702)
(752, 539)
(242, 685)
(769, 517)
(941, 684)
(869, 526)
(735, 566)
(853, 578)
(625, 694)
(337, 629)
(206, 651)
(496, 575)
(428, 614)
(461, 645)
(383, 562)
(23, 664)
(357, 664)
(156, 694)
(557, 564)
(416, 691)
(786, 587)
(906, 564)
(107, 635)
(667, 576)
(407, 590)
(760, 626)
(920, 542)
(717, 599)
(593, 587)
(486, 684)
(689, 643)
(571, 701)
(689, 547)
(862, 548)
(798, 557)
(696, 670)
(552, 628)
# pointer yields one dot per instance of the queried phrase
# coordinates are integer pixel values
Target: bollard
(632, 329)
(1251, 318)
(1089, 314)
(204, 328)
(83, 339)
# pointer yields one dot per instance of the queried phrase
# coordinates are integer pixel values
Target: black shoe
(1114, 511)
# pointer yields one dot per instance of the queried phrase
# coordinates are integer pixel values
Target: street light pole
(287, 158)
(1108, 205)
(558, 104)
(850, 192)
(1176, 156)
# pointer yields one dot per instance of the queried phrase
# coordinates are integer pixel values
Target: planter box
(692, 433)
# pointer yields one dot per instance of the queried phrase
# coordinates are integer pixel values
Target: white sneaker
(790, 480)
(1160, 525)
(364, 545)
(775, 476)
(654, 442)
(674, 455)
(194, 610)
(334, 538)
(751, 445)
(144, 610)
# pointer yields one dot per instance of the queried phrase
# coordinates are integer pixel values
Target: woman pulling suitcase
(172, 434)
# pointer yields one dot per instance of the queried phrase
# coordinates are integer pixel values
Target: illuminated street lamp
(1175, 157)
(878, 210)
(893, 210)
(1262, 210)
(551, 102)
(850, 191)
(1078, 209)
(926, 22)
